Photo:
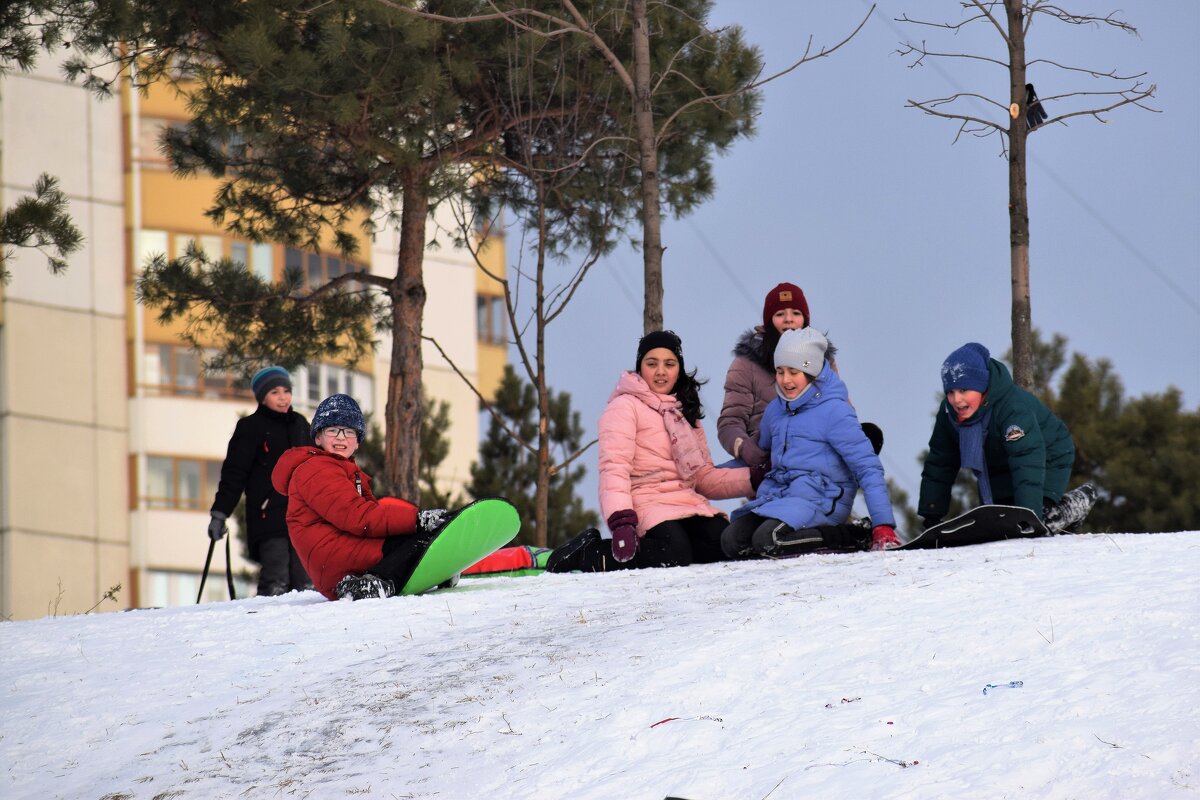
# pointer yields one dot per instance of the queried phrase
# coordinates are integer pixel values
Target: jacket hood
(828, 386)
(749, 345)
(290, 461)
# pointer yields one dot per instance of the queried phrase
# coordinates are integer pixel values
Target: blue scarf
(970, 447)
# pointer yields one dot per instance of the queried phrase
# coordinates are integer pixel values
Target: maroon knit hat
(785, 295)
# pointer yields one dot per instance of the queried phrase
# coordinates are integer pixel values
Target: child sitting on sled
(352, 545)
(1020, 452)
(819, 457)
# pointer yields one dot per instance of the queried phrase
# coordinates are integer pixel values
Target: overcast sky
(899, 236)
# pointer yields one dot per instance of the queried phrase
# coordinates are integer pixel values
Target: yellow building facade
(111, 434)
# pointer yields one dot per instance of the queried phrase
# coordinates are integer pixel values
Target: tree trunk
(402, 442)
(1018, 202)
(643, 113)
(541, 504)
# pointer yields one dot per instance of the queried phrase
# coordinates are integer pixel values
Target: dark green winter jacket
(1028, 450)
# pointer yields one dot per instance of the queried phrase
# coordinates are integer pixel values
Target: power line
(1112, 230)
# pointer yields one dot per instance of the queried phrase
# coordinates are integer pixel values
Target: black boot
(362, 587)
(569, 556)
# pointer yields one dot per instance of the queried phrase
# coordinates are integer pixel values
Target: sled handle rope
(228, 570)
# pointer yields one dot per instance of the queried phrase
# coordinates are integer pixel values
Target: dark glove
(874, 436)
(931, 521)
(623, 525)
(751, 454)
(756, 476)
(216, 526)
(883, 537)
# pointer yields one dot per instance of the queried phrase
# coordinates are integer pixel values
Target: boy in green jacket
(1020, 452)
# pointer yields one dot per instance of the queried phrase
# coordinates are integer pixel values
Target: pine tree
(509, 470)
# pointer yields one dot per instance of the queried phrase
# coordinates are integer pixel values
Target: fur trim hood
(749, 345)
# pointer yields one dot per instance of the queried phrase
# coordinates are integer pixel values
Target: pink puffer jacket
(638, 467)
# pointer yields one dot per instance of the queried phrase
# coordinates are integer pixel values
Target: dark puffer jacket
(257, 443)
(1028, 451)
(336, 524)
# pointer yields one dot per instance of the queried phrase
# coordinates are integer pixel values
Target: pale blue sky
(899, 238)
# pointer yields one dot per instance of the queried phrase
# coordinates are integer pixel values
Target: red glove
(883, 537)
(623, 525)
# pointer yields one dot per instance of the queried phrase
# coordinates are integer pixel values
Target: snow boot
(361, 587)
(568, 556)
(774, 538)
(431, 520)
(1065, 515)
(272, 589)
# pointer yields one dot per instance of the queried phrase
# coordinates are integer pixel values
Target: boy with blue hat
(257, 443)
(1021, 454)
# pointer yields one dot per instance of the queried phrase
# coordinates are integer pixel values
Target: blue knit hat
(267, 379)
(339, 410)
(966, 368)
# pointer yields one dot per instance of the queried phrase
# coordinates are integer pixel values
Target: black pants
(674, 543)
(400, 557)
(280, 569)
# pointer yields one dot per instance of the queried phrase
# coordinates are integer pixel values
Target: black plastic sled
(981, 525)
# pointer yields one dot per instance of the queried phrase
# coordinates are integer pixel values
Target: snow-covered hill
(845, 676)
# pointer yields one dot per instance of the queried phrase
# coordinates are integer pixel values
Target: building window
(263, 261)
(165, 589)
(491, 319)
(176, 370)
(322, 380)
(181, 483)
(316, 269)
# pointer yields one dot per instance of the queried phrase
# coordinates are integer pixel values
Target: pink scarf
(686, 452)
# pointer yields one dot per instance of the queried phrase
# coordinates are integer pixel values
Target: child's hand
(756, 477)
(623, 525)
(752, 455)
(883, 537)
(216, 526)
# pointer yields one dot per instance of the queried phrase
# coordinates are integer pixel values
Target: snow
(832, 676)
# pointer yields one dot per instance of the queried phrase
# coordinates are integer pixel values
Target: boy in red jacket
(352, 545)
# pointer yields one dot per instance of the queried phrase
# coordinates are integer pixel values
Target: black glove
(216, 526)
(874, 436)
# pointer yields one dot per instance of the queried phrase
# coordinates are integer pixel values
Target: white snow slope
(830, 676)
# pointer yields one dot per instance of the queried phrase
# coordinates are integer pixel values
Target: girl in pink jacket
(656, 473)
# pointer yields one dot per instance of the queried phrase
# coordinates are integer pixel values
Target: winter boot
(774, 538)
(848, 537)
(431, 520)
(1067, 513)
(569, 555)
(361, 587)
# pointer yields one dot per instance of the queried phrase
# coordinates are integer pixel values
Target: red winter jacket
(335, 523)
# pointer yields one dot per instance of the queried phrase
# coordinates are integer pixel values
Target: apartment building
(111, 434)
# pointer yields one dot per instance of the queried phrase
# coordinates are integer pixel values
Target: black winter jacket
(257, 443)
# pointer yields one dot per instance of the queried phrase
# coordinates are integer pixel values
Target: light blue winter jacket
(819, 458)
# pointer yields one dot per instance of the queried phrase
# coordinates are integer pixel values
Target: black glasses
(341, 433)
